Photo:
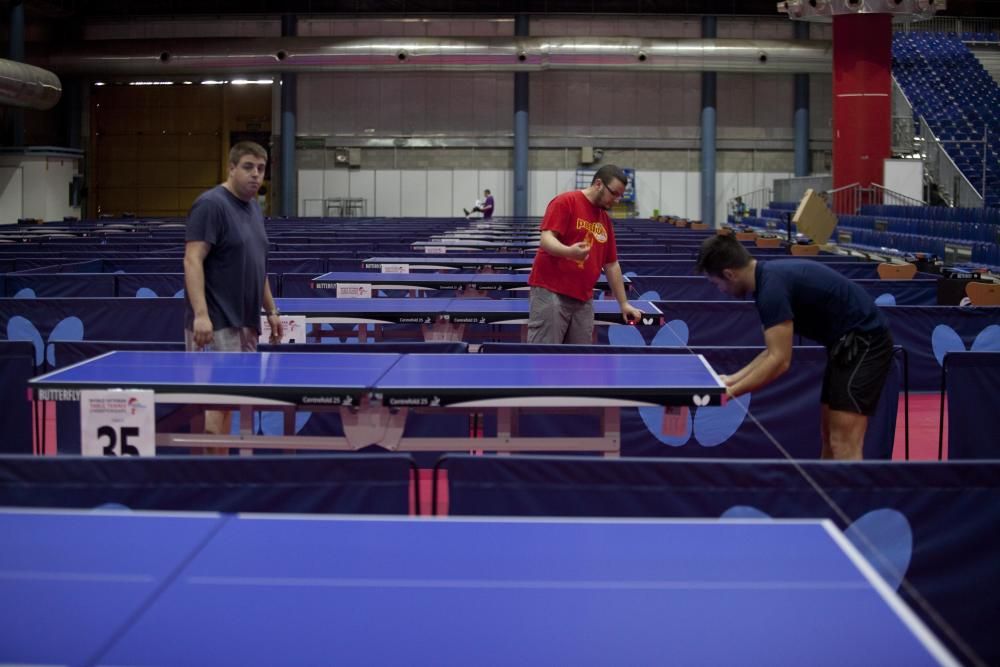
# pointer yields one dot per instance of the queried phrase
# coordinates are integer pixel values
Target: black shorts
(856, 369)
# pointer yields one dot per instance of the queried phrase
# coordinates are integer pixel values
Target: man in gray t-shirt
(225, 266)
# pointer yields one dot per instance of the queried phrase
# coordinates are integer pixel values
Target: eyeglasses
(615, 194)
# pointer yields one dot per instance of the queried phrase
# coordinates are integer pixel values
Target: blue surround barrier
(697, 288)
(17, 366)
(926, 332)
(339, 483)
(971, 381)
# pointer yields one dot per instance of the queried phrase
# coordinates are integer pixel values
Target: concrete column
(521, 128)
(72, 111)
(802, 166)
(15, 52)
(708, 107)
(287, 180)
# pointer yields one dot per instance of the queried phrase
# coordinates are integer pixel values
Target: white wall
(905, 177)
(39, 189)
(443, 193)
(11, 199)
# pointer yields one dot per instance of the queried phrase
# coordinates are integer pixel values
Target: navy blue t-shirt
(236, 264)
(823, 304)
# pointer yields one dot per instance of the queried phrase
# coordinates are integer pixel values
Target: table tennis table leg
(443, 331)
(38, 413)
(508, 424)
(380, 426)
(476, 430)
(44, 433)
(611, 429)
(246, 426)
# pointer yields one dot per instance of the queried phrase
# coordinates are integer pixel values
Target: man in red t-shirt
(577, 243)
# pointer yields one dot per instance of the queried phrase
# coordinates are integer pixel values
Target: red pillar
(862, 97)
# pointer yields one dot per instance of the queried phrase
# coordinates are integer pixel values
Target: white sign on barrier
(354, 290)
(435, 250)
(395, 268)
(293, 329)
(117, 422)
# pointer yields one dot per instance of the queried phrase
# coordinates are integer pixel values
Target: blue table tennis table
(443, 319)
(452, 262)
(374, 392)
(466, 284)
(488, 235)
(117, 588)
(444, 246)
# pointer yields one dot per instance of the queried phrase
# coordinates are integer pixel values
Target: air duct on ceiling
(24, 85)
(321, 54)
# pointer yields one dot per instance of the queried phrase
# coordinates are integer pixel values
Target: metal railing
(952, 24)
(892, 198)
(739, 206)
(943, 171)
(904, 129)
(848, 199)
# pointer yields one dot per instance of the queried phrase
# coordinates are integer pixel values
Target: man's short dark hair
(719, 253)
(486, 191)
(237, 152)
(608, 172)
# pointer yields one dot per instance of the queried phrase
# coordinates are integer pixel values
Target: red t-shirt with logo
(571, 217)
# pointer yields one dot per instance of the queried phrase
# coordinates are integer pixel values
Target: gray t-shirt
(236, 264)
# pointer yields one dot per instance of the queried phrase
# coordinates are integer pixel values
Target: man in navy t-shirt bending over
(806, 297)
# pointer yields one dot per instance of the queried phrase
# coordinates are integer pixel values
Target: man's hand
(579, 250)
(202, 330)
(728, 381)
(274, 321)
(630, 313)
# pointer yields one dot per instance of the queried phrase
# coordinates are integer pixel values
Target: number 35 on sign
(117, 422)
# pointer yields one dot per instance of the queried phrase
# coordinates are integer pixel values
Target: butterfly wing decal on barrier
(988, 339)
(21, 328)
(714, 425)
(944, 339)
(883, 536)
(623, 335)
(885, 539)
(674, 333)
(69, 329)
(270, 422)
(885, 300)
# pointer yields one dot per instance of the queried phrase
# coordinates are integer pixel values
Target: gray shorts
(233, 339)
(554, 318)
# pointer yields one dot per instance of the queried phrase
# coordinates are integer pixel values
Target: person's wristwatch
(273, 313)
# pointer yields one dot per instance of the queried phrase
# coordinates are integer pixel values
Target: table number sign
(354, 290)
(293, 329)
(117, 422)
(395, 268)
